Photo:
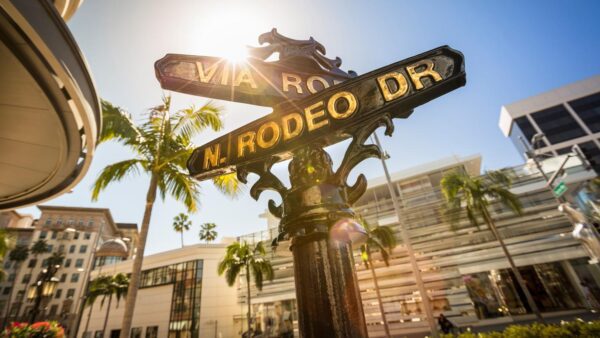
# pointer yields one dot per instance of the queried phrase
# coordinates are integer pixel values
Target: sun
(235, 53)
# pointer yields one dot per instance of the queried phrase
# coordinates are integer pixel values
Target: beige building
(49, 110)
(464, 269)
(180, 296)
(76, 232)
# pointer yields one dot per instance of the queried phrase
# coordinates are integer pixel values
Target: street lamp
(44, 287)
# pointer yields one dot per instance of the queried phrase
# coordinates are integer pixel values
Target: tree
(181, 223)
(207, 232)
(161, 145)
(117, 287)
(473, 195)
(5, 245)
(250, 259)
(17, 255)
(39, 247)
(97, 288)
(382, 239)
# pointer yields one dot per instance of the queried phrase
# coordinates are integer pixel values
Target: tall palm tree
(473, 195)
(181, 223)
(250, 259)
(17, 255)
(117, 286)
(5, 246)
(39, 247)
(382, 239)
(161, 145)
(97, 288)
(207, 232)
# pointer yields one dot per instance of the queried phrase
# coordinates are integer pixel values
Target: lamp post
(409, 250)
(43, 287)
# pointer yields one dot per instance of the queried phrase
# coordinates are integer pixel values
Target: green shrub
(574, 329)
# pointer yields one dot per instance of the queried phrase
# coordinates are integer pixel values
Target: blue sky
(513, 49)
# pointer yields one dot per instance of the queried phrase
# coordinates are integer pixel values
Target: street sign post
(316, 105)
(560, 189)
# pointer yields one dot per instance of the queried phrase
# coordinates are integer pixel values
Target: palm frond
(191, 121)
(117, 124)
(114, 173)
(180, 186)
(228, 184)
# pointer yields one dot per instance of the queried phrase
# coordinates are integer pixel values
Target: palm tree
(40, 247)
(5, 245)
(250, 259)
(161, 146)
(476, 193)
(382, 239)
(97, 288)
(117, 286)
(207, 232)
(181, 223)
(17, 255)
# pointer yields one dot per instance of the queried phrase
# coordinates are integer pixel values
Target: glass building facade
(567, 116)
(186, 279)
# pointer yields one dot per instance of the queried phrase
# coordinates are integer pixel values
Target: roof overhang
(49, 110)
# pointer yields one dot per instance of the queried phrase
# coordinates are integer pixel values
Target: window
(136, 332)
(11, 277)
(91, 222)
(53, 310)
(70, 293)
(557, 124)
(70, 221)
(87, 334)
(72, 248)
(76, 235)
(54, 234)
(44, 262)
(67, 262)
(58, 294)
(74, 278)
(83, 249)
(32, 263)
(65, 235)
(79, 263)
(6, 290)
(98, 334)
(63, 277)
(50, 247)
(526, 128)
(7, 265)
(588, 110)
(48, 221)
(59, 221)
(43, 234)
(87, 235)
(152, 332)
(26, 278)
(80, 222)
(61, 248)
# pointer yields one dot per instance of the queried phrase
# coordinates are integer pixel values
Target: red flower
(37, 325)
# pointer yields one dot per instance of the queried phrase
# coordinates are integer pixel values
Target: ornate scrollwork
(311, 165)
(266, 181)
(357, 152)
(309, 53)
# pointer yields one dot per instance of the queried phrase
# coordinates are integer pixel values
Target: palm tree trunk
(181, 238)
(249, 316)
(513, 267)
(87, 322)
(385, 322)
(106, 316)
(139, 257)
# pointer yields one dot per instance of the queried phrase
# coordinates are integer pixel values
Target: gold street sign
(334, 113)
(302, 70)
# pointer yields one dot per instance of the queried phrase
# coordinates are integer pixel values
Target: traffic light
(587, 158)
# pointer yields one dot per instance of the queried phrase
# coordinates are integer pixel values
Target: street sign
(333, 114)
(560, 189)
(255, 81)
